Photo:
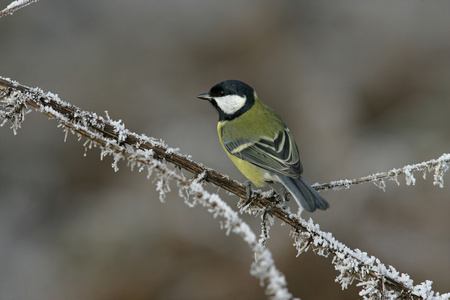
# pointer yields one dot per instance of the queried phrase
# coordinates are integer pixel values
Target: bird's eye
(222, 93)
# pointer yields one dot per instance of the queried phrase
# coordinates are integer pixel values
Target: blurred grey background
(363, 85)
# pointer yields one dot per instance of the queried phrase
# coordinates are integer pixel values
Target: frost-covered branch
(439, 165)
(376, 279)
(142, 152)
(15, 5)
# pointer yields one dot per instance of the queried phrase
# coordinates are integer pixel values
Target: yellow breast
(255, 174)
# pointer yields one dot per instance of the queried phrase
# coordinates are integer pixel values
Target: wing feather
(278, 153)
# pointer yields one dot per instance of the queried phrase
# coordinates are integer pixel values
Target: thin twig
(15, 5)
(439, 165)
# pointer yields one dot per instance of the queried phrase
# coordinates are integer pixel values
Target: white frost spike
(370, 290)
(104, 152)
(439, 172)
(183, 192)
(163, 187)
(149, 172)
(380, 184)
(301, 241)
(117, 158)
(15, 105)
(409, 176)
(395, 178)
(66, 133)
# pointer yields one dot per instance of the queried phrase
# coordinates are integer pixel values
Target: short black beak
(204, 96)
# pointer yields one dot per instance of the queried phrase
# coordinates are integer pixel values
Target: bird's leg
(284, 197)
(248, 189)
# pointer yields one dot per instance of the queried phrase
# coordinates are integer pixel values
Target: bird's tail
(304, 194)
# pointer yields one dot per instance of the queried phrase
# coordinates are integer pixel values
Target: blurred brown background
(364, 86)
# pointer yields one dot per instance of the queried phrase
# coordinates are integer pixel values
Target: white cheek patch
(231, 103)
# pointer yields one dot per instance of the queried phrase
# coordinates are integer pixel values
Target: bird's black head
(231, 98)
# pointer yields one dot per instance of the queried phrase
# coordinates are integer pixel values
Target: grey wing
(278, 154)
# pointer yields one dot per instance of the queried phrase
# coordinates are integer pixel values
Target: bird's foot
(248, 189)
(284, 197)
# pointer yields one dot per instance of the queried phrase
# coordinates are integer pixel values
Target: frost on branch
(153, 156)
(15, 5)
(264, 266)
(15, 109)
(194, 194)
(439, 166)
(377, 280)
(146, 154)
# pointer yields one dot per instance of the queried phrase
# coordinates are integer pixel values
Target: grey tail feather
(304, 194)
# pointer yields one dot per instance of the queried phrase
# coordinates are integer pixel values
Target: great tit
(259, 143)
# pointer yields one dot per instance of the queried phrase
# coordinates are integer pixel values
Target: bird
(259, 143)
